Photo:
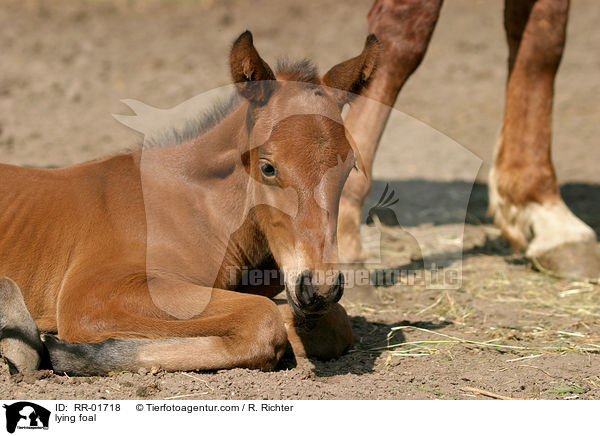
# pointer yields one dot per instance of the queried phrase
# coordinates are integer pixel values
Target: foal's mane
(298, 71)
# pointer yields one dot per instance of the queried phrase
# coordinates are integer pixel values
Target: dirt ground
(507, 329)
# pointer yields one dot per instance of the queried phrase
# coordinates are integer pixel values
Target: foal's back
(53, 218)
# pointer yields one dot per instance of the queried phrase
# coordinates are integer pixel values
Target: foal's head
(299, 157)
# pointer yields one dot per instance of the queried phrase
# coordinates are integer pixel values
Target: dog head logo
(26, 415)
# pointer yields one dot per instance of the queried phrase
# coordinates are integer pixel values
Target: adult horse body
(117, 256)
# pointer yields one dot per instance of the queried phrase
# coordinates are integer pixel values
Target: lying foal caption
(84, 412)
(65, 413)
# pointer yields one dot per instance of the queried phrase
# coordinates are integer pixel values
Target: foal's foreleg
(324, 338)
(141, 328)
(524, 197)
(404, 27)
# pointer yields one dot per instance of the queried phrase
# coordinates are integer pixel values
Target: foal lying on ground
(117, 256)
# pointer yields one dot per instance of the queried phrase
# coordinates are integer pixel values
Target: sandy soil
(508, 329)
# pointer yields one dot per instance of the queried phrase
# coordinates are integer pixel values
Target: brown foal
(129, 259)
(524, 197)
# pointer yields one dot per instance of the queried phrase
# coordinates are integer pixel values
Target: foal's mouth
(298, 312)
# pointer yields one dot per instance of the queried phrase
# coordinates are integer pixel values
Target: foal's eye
(267, 169)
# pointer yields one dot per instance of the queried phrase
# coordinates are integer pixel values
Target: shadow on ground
(424, 201)
(370, 341)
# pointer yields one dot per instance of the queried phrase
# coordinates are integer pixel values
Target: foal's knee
(273, 337)
(264, 337)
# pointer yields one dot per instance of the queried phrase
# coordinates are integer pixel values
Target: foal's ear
(354, 74)
(249, 71)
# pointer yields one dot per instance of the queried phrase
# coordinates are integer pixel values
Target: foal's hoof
(322, 338)
(20, 343)
(575, 260)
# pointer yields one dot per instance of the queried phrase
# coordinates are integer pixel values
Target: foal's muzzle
(313, 299)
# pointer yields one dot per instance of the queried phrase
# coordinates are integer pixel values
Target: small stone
(146, 391)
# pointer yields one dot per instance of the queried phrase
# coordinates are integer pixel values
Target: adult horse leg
(173, 324)
(404, 27)
(524, 197)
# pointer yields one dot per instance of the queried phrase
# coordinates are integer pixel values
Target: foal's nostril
(305, 291)
(339, 287)
(310, 300)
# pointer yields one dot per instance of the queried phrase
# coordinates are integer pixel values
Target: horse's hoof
(324, 338)
(574, 260)
(20, 343)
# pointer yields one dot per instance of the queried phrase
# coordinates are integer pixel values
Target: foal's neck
(216, 153)
(213, 162)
